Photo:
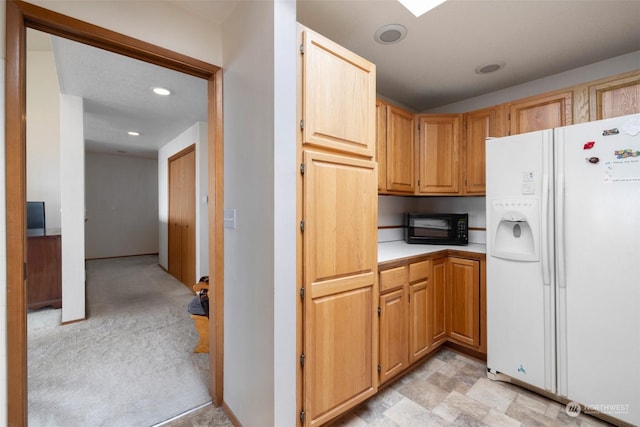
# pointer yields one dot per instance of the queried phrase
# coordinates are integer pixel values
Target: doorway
(20, 16)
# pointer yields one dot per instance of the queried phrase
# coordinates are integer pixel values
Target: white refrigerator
(563, 263)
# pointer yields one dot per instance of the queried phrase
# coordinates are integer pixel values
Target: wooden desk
(44, 270)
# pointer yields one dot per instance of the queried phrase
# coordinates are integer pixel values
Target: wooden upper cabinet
(439, 153)
(479, 125)
(615, 97)
(381, 144)
(338, 98)
(340, 281)
(540, 112)
(400, 149)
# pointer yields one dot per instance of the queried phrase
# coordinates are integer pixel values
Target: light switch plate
(229, 220)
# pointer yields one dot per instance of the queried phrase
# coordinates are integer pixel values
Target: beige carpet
(131, 363)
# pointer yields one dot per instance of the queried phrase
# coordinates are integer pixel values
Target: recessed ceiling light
(490, 68)
(133, 133)
(420, 7)
(161, 91)
(390, 34)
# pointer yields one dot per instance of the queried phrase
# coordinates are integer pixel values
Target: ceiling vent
(490, 68)
(390, 34)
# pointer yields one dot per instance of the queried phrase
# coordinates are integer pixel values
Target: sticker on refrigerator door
(624, 167)
(588, 145)
(623, 154)
(528, 185)
(593, 160)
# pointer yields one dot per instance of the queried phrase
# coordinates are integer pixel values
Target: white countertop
(389, 251)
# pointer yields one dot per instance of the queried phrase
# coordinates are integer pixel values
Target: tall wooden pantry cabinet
(337, 243)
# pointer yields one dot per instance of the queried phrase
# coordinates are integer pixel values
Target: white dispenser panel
(516, 228)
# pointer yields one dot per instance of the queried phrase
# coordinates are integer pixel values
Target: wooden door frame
(19, 17)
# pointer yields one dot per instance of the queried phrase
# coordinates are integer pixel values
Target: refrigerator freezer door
(598, 241)
(520, 297)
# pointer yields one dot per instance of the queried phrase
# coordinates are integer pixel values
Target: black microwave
(437, 229)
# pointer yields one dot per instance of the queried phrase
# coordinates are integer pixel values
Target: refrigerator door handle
(546, 260)
(560, 254)
(546, 273)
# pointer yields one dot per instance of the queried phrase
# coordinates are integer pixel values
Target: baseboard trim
(68, 322)
(232, 417)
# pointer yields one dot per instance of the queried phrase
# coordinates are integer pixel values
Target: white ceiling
(118, 97)
(433, 66)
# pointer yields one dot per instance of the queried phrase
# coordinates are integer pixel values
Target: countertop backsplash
(391, 210)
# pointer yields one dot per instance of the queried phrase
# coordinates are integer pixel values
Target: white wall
(43, 134)
(259, 88)
(392, 210)
(121, 205)
(72, 203)
(196, 134)
(249, 188)
(157, 22)
(285, 97)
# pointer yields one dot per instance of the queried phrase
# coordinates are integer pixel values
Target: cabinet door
(540, 112)
(614, 98)
(420, 294)
(394, 356)
(381, 144)
(340, 281)
(464, 301)
(438, 327)
(400, 149)
(439, 154)
(478, 126)
(338, 97)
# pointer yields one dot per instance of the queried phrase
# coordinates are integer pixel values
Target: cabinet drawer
(393, 278)
(419, 270)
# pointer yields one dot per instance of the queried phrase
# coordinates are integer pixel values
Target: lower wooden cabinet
(463, 301)
(425, 302)
(438, 327)
(394, 357)
(405, 311)
(420, 306)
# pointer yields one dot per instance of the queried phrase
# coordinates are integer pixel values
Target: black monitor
(35, 216)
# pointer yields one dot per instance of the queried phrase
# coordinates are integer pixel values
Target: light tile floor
(447, 390)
